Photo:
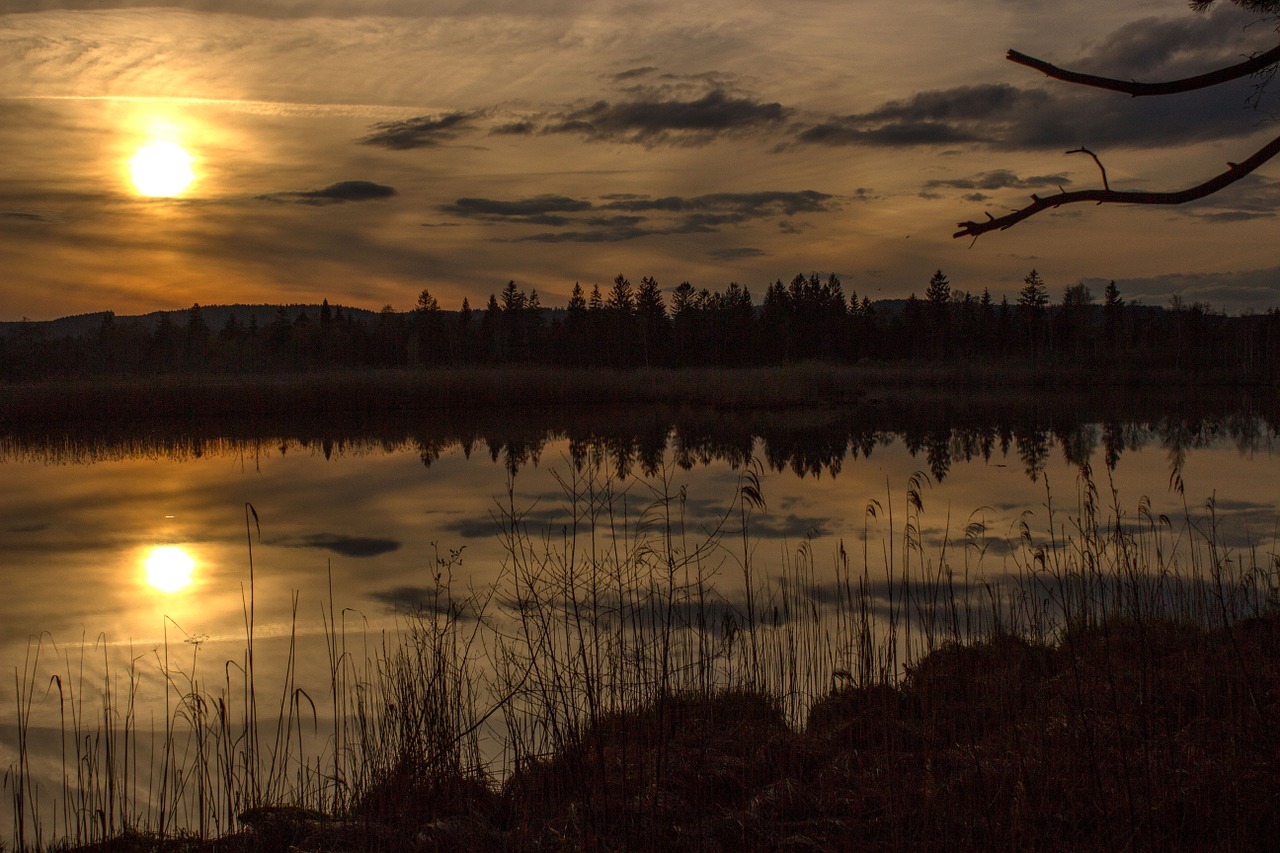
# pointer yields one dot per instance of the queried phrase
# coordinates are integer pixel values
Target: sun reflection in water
(169, 568)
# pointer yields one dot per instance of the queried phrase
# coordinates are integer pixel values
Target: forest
(626, 326)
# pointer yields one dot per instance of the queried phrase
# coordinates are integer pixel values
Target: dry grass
(350, 394)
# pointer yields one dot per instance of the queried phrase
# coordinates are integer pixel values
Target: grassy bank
(365, 393)
(636, 683)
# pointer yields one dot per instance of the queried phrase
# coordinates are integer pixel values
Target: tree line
(628, 326)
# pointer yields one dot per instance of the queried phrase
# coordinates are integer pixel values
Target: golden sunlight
(161, 168)
(169, 568)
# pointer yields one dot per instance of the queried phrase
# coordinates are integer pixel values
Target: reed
(639, 680)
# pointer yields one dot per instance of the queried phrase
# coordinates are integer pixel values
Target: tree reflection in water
(812, 441)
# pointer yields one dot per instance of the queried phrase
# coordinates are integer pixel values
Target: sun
(161, 169)
(169, 568)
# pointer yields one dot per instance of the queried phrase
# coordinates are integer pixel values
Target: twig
(1101, 168)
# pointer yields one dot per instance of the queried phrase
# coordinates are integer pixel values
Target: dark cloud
(1233, 292)
(535, 206)
(546, 210)
(975, 197)
(737, 253)
(419, 132)
(961, 104)
(1000, 179)
(1052, 114)
(35, 527)
(424, 601)
(789, 526)
(751, 204)
(474, 527)
(1252, 197)
(346, 546)
(852, 131)
(514, 128)
(656, 118)
(630, 217)
(342, 191)
(632, 73)
(685, 215)
(615, 221)
(1154, 49)
(26, 216)
(606, 235)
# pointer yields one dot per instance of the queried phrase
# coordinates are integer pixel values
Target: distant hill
(215, 317)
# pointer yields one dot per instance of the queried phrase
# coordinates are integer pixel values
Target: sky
(364, 151)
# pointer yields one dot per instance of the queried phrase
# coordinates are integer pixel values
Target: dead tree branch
(1253, 65)
(1235, 172)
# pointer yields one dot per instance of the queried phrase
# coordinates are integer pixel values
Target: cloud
(752, 205)
(1000, 179)
(1252, 197)
(1153, 49)
(790, 526)
(735, 253)
(1054, 114)
(632, 73)
(520, 208)
(342, 191)
(1234, 292)
(654, 118)
(851, 130)
(514, 128)
(26, 216)
(346, 546)
(547, 210)
(607, 235)
(425, 601)
(622, 217)
(429, 131)
(291, 9)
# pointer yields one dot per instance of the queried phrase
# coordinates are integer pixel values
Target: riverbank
(392, 391)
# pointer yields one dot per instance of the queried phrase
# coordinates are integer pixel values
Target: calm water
(361, 512)
(368, 510)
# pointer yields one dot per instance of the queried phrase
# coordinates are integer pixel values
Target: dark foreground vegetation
(628, 327)
(1124, 735)
(1115, 684)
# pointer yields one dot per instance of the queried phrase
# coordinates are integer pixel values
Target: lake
(360, 523)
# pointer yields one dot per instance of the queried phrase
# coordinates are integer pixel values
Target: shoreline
(403, 390)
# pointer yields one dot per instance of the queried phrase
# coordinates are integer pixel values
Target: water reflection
(169, 568)
(812, 442)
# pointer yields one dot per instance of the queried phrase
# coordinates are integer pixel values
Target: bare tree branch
(1131, 87)
(1101, 168)
(1235, 172)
